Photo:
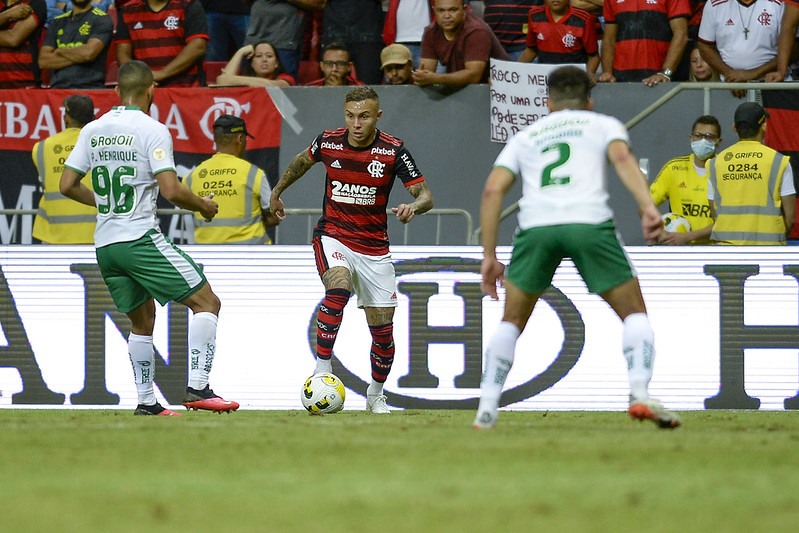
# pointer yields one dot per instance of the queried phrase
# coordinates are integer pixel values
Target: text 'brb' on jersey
(357, 186)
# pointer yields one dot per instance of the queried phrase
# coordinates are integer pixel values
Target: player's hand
(209, 208)
(652, 225)
(404, 212)
(276, 207)
(493, 275)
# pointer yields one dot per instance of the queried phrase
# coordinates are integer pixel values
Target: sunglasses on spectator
(709, 136)
(340, 64)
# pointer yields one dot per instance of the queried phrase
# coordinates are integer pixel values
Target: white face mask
(703, 148)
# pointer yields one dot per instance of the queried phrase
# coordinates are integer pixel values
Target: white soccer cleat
(485, 420)
(377, 404)
(653, 410)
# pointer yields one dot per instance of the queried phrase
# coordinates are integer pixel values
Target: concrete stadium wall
(448, 135)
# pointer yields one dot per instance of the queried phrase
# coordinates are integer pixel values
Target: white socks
(498, 362)
(638, 343)
(374, 389)
(323, 366)
(202, 346)
(142, 357)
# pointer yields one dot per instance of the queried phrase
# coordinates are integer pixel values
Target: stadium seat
(113, 13)
(44, 77)
(308, 71)
(111, 71)
(212, 71)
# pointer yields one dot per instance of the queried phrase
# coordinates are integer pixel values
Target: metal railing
(706, 86)
(311, 215)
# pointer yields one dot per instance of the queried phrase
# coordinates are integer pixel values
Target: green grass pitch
(410, 471)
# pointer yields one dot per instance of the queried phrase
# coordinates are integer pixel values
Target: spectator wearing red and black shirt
(508, 20)
(169, 35)
(21, 25)
(558, 33)
(336, 67)
(643, 40)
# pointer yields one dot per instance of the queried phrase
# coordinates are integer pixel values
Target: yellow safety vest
(747, 178)
(60, 220)
(236, 185)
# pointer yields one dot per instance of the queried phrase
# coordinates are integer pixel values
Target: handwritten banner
(518, 96)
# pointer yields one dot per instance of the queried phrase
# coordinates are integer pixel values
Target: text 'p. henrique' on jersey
(358, 184)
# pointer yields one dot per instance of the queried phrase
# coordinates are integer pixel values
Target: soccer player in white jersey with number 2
(564, 212)
(128, 156)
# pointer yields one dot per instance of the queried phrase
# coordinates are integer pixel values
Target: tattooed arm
(423, 203)
(297, 168)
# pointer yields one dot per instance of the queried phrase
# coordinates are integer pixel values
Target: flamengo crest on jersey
(358, 184)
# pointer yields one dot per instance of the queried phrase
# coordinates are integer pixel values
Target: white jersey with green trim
(122, 151)
(562, 161)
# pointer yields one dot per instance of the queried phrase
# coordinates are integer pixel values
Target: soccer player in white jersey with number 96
(564, 212)
(128, 156)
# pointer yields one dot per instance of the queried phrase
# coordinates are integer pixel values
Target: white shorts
(373, 277)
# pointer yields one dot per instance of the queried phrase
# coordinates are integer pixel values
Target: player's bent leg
(500, 353)
(338, 288)
(202, 349)
(381, 355)
(142, 359)
(204, 300)
(142, 319)
(638, 346)
(625, 298)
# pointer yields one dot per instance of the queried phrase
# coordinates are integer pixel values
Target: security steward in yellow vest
(61, 220)
(750, 186)
(239, 187)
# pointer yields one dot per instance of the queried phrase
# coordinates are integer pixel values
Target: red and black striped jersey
(569, 40)
(508, 19)
(357, 186)
(643, 34)
(19, 66)
(158, 37)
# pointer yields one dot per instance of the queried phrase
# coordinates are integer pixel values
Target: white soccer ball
(323, 394)
(676, 223)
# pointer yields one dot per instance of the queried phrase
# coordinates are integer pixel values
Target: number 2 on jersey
(563, 153)
(118, 197)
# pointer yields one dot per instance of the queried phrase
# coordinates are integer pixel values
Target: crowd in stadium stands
(79, 44)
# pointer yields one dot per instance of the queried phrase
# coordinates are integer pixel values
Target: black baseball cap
(231, 124)
(750, 114)
(80, 107)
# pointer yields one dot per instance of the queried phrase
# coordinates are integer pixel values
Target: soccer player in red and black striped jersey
(350, 241)
(21, 26)
(169, 35)
(558, 33)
